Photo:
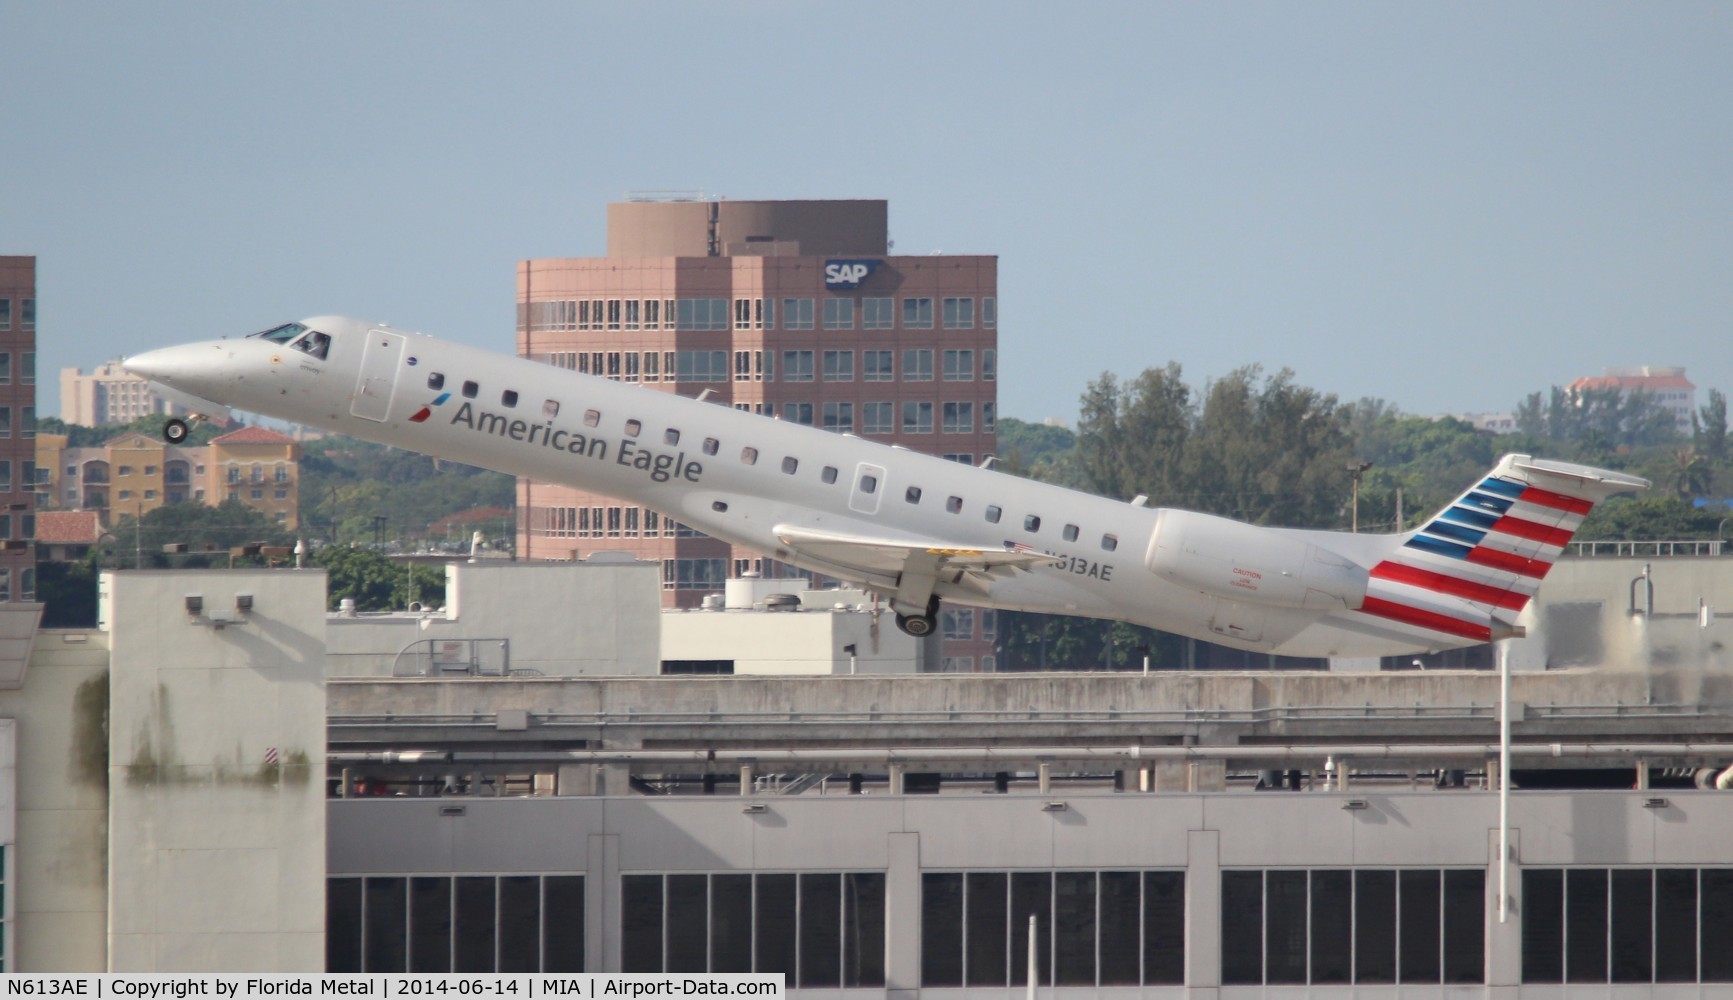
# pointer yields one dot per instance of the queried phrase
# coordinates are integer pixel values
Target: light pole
(1355, 468)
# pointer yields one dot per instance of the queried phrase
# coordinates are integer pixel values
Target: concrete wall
(560, 619)
(57, 817)
(216, 773)
(904, 835)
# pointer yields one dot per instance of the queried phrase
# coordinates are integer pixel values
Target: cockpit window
(282, 334)
(314, 343)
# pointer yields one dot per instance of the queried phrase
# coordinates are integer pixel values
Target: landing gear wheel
(919, 626)
(175, 431)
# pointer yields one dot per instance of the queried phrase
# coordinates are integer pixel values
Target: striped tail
(1468, 573)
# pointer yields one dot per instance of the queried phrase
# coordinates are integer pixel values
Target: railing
(1629, 549)
(453, 658)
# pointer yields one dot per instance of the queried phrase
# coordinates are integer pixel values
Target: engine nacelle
(1252, 565)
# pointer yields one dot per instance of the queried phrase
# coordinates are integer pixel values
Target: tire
(175, 431)
(919, 626)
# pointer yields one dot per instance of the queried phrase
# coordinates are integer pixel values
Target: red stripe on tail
(1533, 532)
(1426, 619)
(1426, 579)
(1557, 501)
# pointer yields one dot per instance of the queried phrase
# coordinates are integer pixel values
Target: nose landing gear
(175, 431)
(921, 626)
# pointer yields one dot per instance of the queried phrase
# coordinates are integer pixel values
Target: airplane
(913, 528)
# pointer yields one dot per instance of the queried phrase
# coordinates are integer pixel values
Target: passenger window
(993, 514)
(470, 389)
(436, 380)
(592, 417)
(954, 505)
(508, 398)
(869, 484)
(1110, 542)
(749, 455)
(789, 464)
(913, 494)
(671, 436)
(712, 446)
(551, 408)
(828, 474)
(719, 506)
(1032, 522)
(633, 427)
(1070, 532)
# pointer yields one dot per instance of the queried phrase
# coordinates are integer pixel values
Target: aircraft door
(381, 354)
(869, 485)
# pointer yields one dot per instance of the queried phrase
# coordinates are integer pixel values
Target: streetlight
(1355, 468)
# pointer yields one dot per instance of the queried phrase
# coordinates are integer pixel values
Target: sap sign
(848, 273)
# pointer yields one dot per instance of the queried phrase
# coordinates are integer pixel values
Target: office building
(795, 310)
(17, 427)
(109, 395)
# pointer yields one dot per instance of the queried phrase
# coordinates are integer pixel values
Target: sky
(1445, 206)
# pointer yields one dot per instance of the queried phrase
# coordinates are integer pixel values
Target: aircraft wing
(893, 557)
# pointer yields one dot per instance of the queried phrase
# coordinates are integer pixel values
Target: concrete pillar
(746, 779)
(903, 916)
(602, 903)
(616, 779)
(1207, 776)
(1642, 774)
(1503, 941)
(1170, 776)
(896, 779)
(577, 779)
(1203, 912)
(1044, 777)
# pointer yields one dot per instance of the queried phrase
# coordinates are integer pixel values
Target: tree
(1709, 427)
(1690, 475)
(207, 532)
(375, 581)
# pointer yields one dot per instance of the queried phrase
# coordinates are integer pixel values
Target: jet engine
(1252, 565)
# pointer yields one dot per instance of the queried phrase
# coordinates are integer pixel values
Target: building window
(693, 574)
(27, 425)
(918, 314)
(5, 314)
(989, 365)
(443, 924)
(797, 366)
(878, 314)
(797, 413)
(989, 417)
(839, 366)
(797, 314)
(989, 312)
(878, 366)
(839, 314)
(918, 365)
(702, 314)
(1294, 926)
(824, 930)
(917, 418)
(5, 367)
(959, 313)
(958, 623)
(877, 418)
(701, 366)
(839, 417)
(27, 313)
(959, 366)
(959, 418)
(1093, 928)
(5, 421)
(1626, 925)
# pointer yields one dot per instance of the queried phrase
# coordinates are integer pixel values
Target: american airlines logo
(848, 273)
(427, 411)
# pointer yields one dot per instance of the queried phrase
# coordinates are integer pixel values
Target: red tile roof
(253, 435)
(68, 527)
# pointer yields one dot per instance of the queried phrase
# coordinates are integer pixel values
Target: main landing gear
(921, 626)
(175, 431)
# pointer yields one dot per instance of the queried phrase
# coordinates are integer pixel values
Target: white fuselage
(744, 478)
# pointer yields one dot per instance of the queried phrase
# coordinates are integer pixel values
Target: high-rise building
(109, 395)
(17, 428)
(790, 309)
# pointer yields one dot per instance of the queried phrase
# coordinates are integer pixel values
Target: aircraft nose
(188, 363)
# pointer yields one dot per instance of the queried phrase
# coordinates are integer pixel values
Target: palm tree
(1691, 474)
